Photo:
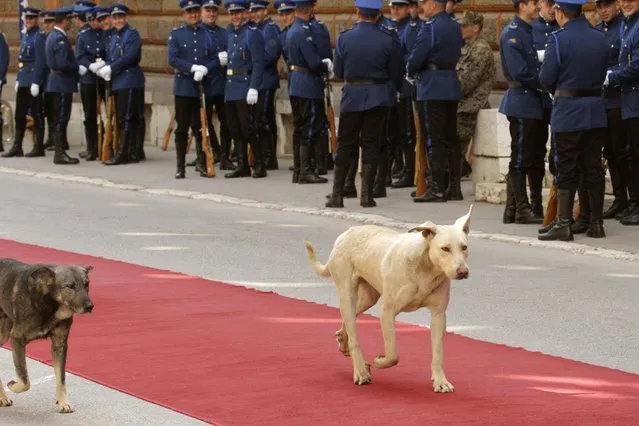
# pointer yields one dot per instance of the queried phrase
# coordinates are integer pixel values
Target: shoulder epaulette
(513, 25)
(387, 29)
(557, 31)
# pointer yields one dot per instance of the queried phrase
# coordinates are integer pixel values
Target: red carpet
(233, 356)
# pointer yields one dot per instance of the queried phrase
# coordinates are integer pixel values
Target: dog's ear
(87, 269)
(464, 221)
(42, 279)
(428, 229)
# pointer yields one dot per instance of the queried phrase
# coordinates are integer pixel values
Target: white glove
(198, 76)
(399, 96)
(606, 82)
(82, 70)
(194, 68)
(224, 58)
(540, 55)
(251, 97)
(204, 70)
(329, 65)
(94, 67)
(17, 85)
(105, 73)
(35, 90)
(410, 80)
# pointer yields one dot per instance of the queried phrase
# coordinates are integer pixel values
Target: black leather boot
(632, 218)
(91, 134)
(259, 166)
(297, 162)
(560, 229)
(16, 148)
(582, 223)
(407, 178)
(335, 199)
(454, 192)
(379, 186)
(60, 156)
(180, 155)
(320, 155)
(122, 156)
(307, 173)
(620, 192)
(535, 182)
(242, 169)
(523, 213)
(368, 176)
(595, 203)
(140, 155)
(397, 168)
(510, 209)
(38, 144)
(435, 192)
(350, 190)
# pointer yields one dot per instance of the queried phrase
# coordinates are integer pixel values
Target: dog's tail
(319, 269)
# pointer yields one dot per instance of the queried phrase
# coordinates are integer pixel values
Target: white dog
(407, 271)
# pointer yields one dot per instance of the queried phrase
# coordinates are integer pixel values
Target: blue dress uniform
(192, 54)
(574, 70)
(265, 110)
(284, 7)
(243, 79)
(369, 59)
(4, 66)
(541, 30)
(62, 82)
(522, 105)
(124, 75)
(31, 78)
(306, 92)
(49, 18)
(214, 83)
(89, 51)
(625, 76)
(433, 60)
(614, 147)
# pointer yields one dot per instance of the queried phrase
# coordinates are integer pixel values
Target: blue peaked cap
(369, 7)
(235, 5)
(571, 5)
(189, 4)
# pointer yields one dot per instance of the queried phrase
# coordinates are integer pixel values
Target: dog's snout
(462, 272)
(88, 306)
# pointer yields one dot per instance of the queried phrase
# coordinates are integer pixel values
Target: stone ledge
(495, 193)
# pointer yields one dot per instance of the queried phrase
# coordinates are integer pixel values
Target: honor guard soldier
(369, 59)
(103, 16)
(126, 78)
(214, 83)
(265, 108)
(48, 22)
(193, 56)
(433, 60)
(63, 80)
(89, 50)
(542, 27)
(29, 87)
(625, 76)
(574, 70)
(306, 91)
(614, 149)
(245, 61)
(286, 14)
(4, 66)
(522, 105)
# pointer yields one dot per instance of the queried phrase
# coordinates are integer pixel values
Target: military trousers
(216, 103)
(440, 128)
(265, 121)
(466, 122)
(365, 127)
(615, 144)
(187, 116)
(523, 140)
(578, 155)
(61, 104)
(240, 118)
(539, 156)
(632, 150)
(307, 120)
(27, 104)
(89, 95)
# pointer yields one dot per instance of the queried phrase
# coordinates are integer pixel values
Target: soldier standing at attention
(574, 70)
(433, 61)
(369, 59)
(542, 27)
(625, 75)
(89, 50)
(245, 60)
(123, 71)
(193, 57)
(214, 83)
(522, 105)
(30, 86)
(48, 19)
(4, 66)
(63, 80)
(306, 91)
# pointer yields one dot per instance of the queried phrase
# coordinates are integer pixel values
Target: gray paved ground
(579, 307)
(158, 172)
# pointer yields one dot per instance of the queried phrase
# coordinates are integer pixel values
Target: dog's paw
(441, 385)
(18, 387)
(342, 342)
(381, 361)
(5, 402)
(362, 376)
(64, 408)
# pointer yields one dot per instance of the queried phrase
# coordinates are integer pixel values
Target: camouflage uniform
(476, 73)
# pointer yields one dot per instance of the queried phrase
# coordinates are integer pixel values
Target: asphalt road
(578, 307)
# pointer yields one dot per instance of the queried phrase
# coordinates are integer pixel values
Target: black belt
(363, 82)
(238, 72)
(57, 72)
(579, 93)
(298, 68)
(514, 84)
(439, 67)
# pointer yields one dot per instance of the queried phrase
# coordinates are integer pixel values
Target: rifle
(330, 115)
(421, 164)
(167, 134)
(100, 122)
(108, 126)
(551, 209)
(206, 147)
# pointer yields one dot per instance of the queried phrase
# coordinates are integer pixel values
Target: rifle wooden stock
(551, 209)
(190, 141)
(108, 127)
(168, 132)
(420, 155)
(469, 152)
(116, 126)
(99, 116)
(206, 147)
(330, 115)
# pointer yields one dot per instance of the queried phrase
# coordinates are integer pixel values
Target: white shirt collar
(60, 29)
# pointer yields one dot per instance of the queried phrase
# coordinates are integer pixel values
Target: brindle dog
(38, 302)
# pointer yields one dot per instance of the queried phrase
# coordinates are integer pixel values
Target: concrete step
(495, 193)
